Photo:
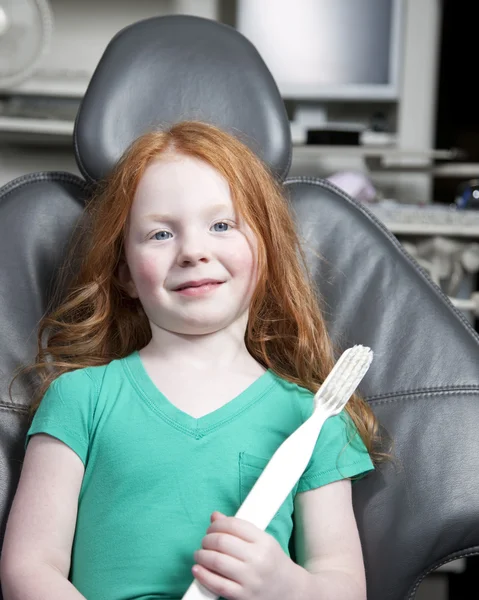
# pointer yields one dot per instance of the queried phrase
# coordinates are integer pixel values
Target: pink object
(356, 185)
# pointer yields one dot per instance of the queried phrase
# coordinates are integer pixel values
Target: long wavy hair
(96, 320)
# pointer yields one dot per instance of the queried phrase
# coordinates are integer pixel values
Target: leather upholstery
(175, 68)
(413, 513)
(421, 509)
(37, 215)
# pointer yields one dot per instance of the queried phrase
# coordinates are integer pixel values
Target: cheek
(243, 259)
(147, 272)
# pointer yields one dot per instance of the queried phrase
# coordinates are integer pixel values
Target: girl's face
(189, 259)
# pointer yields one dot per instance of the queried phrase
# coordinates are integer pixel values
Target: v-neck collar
(198, 427)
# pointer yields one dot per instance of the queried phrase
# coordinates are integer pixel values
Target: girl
(188, 349)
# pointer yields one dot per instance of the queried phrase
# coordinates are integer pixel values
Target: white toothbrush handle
(196, 591)
(282, 473)
(274, 484)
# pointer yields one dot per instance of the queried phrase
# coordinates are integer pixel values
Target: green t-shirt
(153, 474)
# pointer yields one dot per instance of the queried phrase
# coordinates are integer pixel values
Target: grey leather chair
(415, 513)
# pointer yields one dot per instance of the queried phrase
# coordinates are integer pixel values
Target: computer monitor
(328, 49)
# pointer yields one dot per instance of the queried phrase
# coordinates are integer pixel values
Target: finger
(217, 515)
(237, 527)
(226, 588)
(227, 544)
(221, 564)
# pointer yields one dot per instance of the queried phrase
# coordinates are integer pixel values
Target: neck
(211, 351)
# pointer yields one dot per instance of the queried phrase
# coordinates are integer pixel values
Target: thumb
(216, 515)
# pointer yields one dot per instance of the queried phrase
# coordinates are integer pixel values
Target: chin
(203, 329)
(200, 324)
(192, 326)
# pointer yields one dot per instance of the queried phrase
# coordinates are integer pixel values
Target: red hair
(97, 321)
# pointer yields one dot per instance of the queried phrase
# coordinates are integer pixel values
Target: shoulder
(296, 396)
(72, 405)
(302, 400)
(87, 379)
(79, 389)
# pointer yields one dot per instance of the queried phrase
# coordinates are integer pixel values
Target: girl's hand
(238, 561)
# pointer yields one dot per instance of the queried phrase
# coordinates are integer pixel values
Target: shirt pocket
(250, 468)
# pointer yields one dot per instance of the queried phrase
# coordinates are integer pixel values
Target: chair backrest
(413, 513)
(421, 509)
(37, 215)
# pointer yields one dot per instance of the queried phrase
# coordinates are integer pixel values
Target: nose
(193, 248)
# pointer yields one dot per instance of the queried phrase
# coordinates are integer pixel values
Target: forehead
(176, 180)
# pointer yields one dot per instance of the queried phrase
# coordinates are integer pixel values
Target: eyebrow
(166, 217)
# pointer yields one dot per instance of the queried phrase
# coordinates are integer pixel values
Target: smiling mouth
(193, 290)
(197, 285)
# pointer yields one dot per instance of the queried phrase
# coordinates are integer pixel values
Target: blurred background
(379, 95)
(387, 83)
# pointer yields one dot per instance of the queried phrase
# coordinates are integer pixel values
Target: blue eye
(224, 225)
(161, 235)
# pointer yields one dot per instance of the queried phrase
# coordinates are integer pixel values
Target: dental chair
(417, 511)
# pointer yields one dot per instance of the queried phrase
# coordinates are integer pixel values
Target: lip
(204, 289)
(195, 284)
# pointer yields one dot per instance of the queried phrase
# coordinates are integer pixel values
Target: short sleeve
(339, 454)
(66, 412)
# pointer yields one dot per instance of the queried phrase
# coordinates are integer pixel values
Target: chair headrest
(163, 70)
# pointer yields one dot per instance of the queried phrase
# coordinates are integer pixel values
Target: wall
(82, 30)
